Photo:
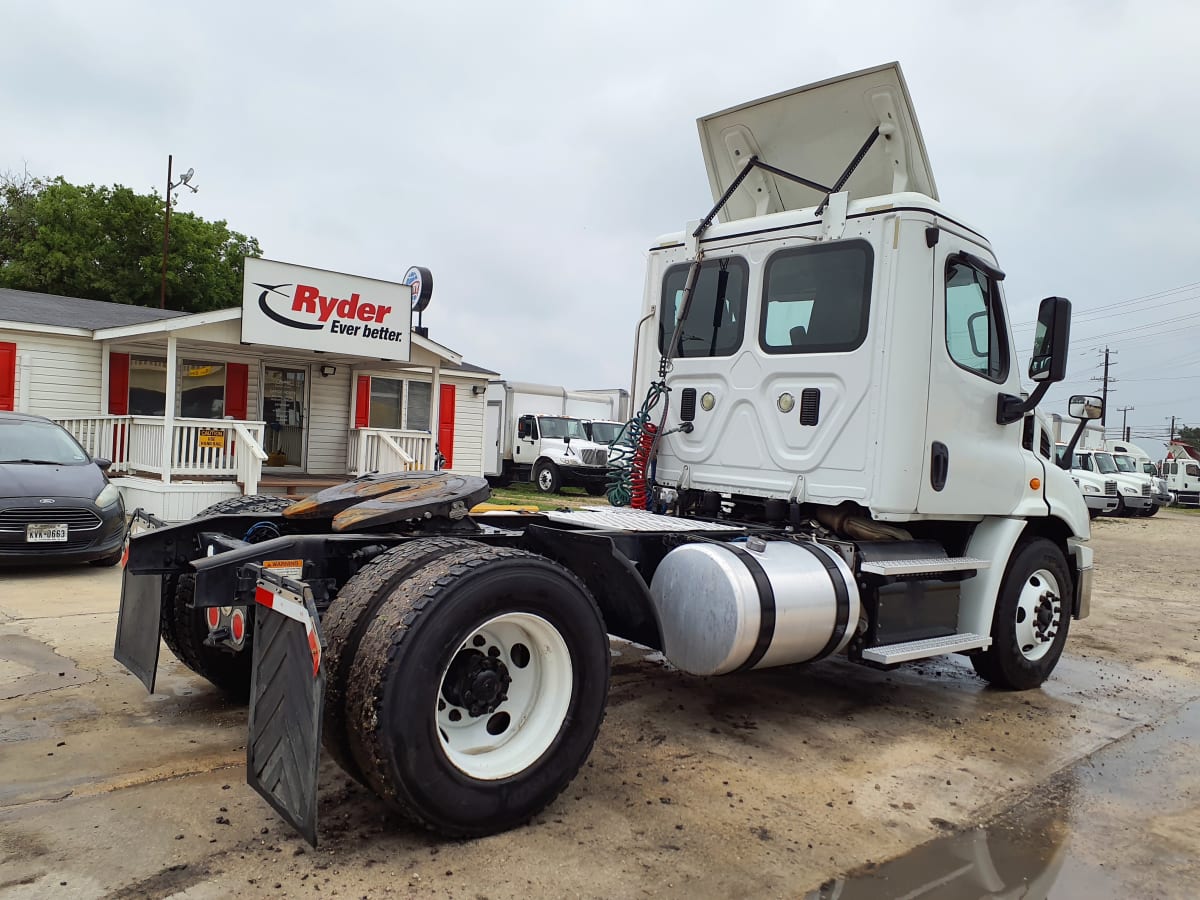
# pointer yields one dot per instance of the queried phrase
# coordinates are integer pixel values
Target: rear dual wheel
(476, 691)
(185, 628)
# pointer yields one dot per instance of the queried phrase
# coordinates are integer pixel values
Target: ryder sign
(284, 305)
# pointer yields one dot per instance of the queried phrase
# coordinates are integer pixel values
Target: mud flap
(287, 693)
(138, 624)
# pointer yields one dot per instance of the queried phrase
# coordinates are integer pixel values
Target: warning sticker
(285, 568)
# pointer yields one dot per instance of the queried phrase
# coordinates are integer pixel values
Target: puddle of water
(1123, 823)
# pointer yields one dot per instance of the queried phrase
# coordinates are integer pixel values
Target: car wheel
(1032, 617)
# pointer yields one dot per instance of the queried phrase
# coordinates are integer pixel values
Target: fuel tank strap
(766, 601)
(841, 597)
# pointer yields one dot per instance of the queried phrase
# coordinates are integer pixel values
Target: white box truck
(536, 432)
(838, 459)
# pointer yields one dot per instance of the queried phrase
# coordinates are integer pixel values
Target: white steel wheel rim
(545, 478)
(536, 702)
(1040, 594)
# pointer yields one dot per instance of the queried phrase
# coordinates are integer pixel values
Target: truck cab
(1133, 488)
(1099, 493)
(560, 453)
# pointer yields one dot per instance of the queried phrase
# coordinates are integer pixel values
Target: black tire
(184, 628)
(547, 478)
(1004, 664)
(400, 676)
(1151, 511)
(596, 490)
(1121, 510)
(348, 617)
(106, 562)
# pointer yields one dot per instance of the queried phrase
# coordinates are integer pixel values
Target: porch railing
(200, 448)
(389, 450)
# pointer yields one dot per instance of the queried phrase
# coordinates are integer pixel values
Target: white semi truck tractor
(833, 456)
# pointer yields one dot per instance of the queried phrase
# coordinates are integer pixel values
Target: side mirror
(103, 463)
(1049, 361)
(1086, 408)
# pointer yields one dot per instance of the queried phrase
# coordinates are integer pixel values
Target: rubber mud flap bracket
(287, 694)
(138, 624)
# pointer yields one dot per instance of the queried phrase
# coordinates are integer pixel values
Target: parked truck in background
(536, 432)
(1181, 471)
(1099, 492)
(1129, 457)
(835, 454)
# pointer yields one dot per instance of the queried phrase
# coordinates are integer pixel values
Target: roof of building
(73, 312)
(468, 367)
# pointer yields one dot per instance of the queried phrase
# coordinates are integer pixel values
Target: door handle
(939, 465)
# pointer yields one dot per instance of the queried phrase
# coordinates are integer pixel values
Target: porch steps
(297, 485)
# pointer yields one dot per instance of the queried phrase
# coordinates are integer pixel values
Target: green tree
(1188, 435)
(105, 243)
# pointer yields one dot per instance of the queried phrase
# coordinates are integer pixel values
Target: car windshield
(1104, 463)
(34, 443)
(554, 427)
(605, 432)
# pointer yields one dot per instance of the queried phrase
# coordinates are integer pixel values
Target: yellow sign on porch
(212, 437)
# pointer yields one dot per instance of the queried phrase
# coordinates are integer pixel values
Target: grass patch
(528, 495)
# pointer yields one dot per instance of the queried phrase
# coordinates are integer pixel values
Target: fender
(993, 539)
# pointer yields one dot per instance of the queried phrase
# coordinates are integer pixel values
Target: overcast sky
(528, 153)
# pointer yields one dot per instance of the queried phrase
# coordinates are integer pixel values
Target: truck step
(889, 654)
(931, 566)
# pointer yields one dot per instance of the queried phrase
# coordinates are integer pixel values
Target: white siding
(172, 502)
(468, 427)
(59, 374)
(328, 421)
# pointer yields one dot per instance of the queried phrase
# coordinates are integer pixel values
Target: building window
(202, 393)
(147, 386)
(418, 407)
(387, 410)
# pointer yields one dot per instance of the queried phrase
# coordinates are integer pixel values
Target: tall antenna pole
(162, 297)
(1104, 399)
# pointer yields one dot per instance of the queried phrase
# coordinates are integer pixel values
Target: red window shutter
(237, 390)
(446, 424)
(118, 384)
(8, 376)
(362, 402)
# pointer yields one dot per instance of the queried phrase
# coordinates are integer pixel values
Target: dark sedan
(56, 504)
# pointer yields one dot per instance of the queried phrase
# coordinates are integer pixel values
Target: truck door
(525, 444)
(972, 465)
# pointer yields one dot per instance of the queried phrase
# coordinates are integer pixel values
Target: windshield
(1125, 463)
(31, 442)
(605, 432)
(553, 427)
(1104, 463)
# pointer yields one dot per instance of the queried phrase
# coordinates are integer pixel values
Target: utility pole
(183, 181)
(1104, 395)
(1124, 428)
(1172, 430)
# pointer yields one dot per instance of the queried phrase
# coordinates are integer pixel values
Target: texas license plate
(45, 533)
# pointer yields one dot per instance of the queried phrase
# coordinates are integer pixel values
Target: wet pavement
(1123, 823)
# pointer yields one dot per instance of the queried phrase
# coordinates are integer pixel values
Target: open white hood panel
(815, 132)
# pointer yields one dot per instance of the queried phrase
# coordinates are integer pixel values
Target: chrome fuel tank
(726, 607)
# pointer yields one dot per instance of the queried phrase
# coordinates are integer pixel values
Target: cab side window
(975, 332)
(716, 316)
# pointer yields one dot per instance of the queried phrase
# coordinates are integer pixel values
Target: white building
(244, 417)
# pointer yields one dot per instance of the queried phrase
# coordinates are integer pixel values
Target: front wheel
(596, 490)
(1033, 615)
(478, 690)
(1151, 510)
(547, 478)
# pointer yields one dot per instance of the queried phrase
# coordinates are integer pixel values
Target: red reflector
(265, 597)
(125, 556)
(214, 616)
(238, 625)
(315, 649)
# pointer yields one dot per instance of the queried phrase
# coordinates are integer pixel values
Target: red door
(445, 438)
(8, 376)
